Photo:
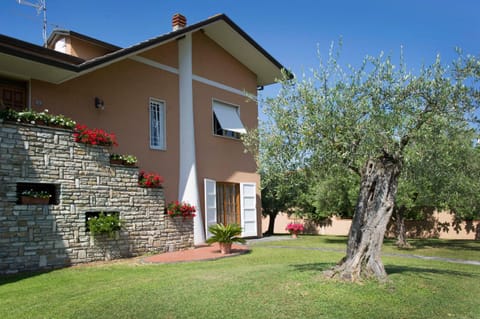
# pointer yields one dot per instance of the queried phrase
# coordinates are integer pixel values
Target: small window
(51, 189)
(61, 45)
(89, 215)
(13, 94)
(226, 120)
(157, 124)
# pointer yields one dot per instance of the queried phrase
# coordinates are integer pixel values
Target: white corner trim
(220, 86)
(154, 64)
(197, 78)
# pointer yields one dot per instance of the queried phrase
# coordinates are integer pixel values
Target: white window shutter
(210, 189)
(248, 200)
(228, 117)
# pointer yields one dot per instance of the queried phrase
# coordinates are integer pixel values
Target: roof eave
(222, 30)
(219, 27)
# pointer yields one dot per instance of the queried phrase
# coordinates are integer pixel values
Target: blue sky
(289, 30)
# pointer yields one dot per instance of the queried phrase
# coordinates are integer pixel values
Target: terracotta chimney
(178, 22)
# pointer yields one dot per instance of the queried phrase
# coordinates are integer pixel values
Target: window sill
(227, 137)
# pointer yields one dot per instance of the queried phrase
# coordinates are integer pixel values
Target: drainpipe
(188, 183)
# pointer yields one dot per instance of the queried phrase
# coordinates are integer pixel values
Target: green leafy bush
(105, 224)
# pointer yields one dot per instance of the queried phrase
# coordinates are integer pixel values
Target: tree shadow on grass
(450, 244)
(426, 243)
(391, 269)
(312, 267)
(336, 240)
(394, 269)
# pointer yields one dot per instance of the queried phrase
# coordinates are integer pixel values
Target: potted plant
(61, 121)
(294, 229)
(149, 180)
(183, 209)
(225, 235)
(35, 197)
(127, 160)
(116, 159)
(83, 134)
(40, 118)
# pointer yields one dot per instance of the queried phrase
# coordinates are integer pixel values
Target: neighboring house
(178, 102)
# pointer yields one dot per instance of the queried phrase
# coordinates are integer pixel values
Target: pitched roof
(30, 60)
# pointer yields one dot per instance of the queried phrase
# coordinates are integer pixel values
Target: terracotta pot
(294, 235)
(26, 200)
(225, 248)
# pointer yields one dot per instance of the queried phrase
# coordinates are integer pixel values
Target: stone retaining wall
(34, 237)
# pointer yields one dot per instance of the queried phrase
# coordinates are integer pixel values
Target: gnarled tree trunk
(400, 228)
(379, 182)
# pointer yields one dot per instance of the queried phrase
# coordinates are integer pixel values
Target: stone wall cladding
(36, 237)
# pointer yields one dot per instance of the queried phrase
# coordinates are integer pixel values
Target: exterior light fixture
(99, 104)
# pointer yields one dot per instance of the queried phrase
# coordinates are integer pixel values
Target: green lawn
(458, 249)
(267, 283)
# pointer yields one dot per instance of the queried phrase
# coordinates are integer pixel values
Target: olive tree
(366, 119)
(282, 183)
(445, 176)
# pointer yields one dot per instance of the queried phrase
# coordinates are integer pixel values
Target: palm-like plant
(225, 235)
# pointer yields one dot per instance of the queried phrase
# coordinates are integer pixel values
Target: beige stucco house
(177, 101)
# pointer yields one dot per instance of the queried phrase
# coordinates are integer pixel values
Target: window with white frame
(226, 120)
(157, 124)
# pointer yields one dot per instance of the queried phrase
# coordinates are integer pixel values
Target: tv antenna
(41, 6)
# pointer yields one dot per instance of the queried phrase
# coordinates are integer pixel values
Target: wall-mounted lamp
(99, 104)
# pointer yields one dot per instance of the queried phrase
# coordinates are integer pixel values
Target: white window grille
(157, 125)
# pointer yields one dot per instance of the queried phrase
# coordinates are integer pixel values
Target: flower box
(149, 180)
(124, 160)
(181, 209)
(27, 200)
(116, 161)
(83, 134)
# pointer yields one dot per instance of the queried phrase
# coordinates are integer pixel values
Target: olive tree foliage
(282, 183)
(365, 120)
(444, 176)
(329, 192)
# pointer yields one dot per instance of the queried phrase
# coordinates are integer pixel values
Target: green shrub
(105, 224)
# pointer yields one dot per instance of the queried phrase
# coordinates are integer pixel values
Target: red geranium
(149, 180)
(95, 136)
(183, 209)
(294, 228)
